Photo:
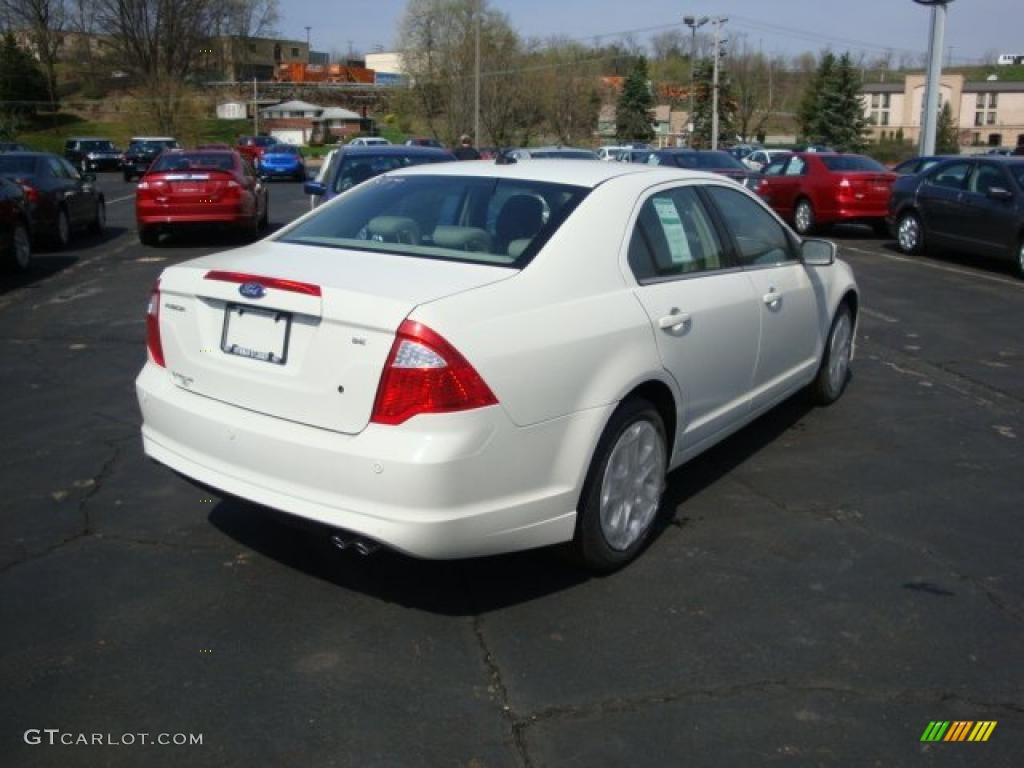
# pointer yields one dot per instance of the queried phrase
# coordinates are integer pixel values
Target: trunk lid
(189, 187)
(312, 348)
(866, 187)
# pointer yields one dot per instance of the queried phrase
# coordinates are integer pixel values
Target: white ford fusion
(464, 359)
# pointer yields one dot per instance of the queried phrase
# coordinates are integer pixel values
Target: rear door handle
(674, 320)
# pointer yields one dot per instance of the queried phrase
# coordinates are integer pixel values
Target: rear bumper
(161, 216)
(443, 486)
(853, 211)
(279, 170)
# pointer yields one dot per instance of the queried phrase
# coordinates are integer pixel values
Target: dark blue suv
(349, 166)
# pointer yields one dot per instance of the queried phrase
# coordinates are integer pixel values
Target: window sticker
(679, 246)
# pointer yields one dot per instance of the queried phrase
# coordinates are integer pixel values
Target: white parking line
(878, 315)
(939, 267)
(120, 199)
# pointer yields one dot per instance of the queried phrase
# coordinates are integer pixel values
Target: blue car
(283, 160)
(350, 165)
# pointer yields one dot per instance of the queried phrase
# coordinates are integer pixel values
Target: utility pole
(718, 21)
(693, 23)
(255, 110)
(476, 83)
(930, 114)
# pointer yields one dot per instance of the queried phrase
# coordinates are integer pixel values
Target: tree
(947, 136)
(831, 111)
(703, 105)
(22, 85)
(44, 23)
(158, 40)
(632, 114)
(752, 77)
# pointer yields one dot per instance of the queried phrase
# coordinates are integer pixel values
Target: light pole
(693, 23)
(930, 115)
(718, 21)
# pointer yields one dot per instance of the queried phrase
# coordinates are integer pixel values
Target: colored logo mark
(958, 730)
(252, 290)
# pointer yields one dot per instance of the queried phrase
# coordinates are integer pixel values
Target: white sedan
(464, 359)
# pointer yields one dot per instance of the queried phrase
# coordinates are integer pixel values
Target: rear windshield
(284, 149)
(565, 154)
(498, 222)
(97, 146)
(194, 161)
(153, 145)
(258, 141)
(358, 168)
(708, 159)
(11, 166)
(852, 163)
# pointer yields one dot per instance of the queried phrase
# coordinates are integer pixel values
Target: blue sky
(786, 26)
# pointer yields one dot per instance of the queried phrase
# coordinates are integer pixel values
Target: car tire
(910, 233)
(149, 236)
(803, 217)
(834, 371)
(604, 541)
(61, 237)
(264, 223)
(20, 253)
(128, 177)
(99, 220)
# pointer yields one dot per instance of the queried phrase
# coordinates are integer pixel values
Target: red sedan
(191, 187)
(816, 189)
(253, 147)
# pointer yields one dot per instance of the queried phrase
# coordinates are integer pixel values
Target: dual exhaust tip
(364, 547)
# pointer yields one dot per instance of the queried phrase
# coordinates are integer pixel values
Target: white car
(368, 141)
(760, 159)
(464, 359)
(610, 153)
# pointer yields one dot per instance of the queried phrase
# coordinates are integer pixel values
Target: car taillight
(31, 193)
(153, 343)
(426, 374)
(844, 184)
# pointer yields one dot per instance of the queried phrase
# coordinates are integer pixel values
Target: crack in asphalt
(618, 705)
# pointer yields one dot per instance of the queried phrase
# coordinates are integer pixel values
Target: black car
(15, 230)
(971, 204)
(712, 161)
(60, 200)
(92, 154)
(349, 166)
(142, 151)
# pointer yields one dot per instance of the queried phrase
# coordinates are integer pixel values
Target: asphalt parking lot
(825, 583)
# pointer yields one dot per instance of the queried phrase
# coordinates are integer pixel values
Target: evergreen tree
(703, 104)
(947, 138)
(831, 111)
(632, 115)
(849, 127)
(21, 81)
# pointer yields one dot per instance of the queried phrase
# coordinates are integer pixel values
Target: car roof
(152, 138)
(580, 174)
(90, 138)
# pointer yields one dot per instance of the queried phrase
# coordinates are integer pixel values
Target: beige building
(988, 113)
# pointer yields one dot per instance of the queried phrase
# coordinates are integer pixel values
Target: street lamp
(693, 22)
(931, 93)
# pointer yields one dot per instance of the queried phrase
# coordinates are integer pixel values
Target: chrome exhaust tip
(340, 541)
(366, 547)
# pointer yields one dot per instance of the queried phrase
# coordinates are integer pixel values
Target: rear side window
(673, 236)
(459, 218)
(797, 166)
(985, 177)
(760, 239)
(952, 176)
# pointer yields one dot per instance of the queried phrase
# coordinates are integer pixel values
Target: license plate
(256, 333)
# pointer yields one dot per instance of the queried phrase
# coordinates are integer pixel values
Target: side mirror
(317, 188)
(817, 253)
(1000, 193)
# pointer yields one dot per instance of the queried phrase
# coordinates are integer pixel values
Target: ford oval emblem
(252, 290)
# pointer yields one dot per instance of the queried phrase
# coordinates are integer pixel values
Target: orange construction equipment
(300, 72)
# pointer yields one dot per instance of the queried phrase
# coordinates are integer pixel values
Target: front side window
(674, 236)
(951, 176)
(760, 239)
(985, 177)
(443, 217)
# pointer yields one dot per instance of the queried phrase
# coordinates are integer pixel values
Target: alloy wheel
(803, 217)
(909, 233)
(632, 485)
(22, 247)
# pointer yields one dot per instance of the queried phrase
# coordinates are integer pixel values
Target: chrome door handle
(673, 320)
(772, 298)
